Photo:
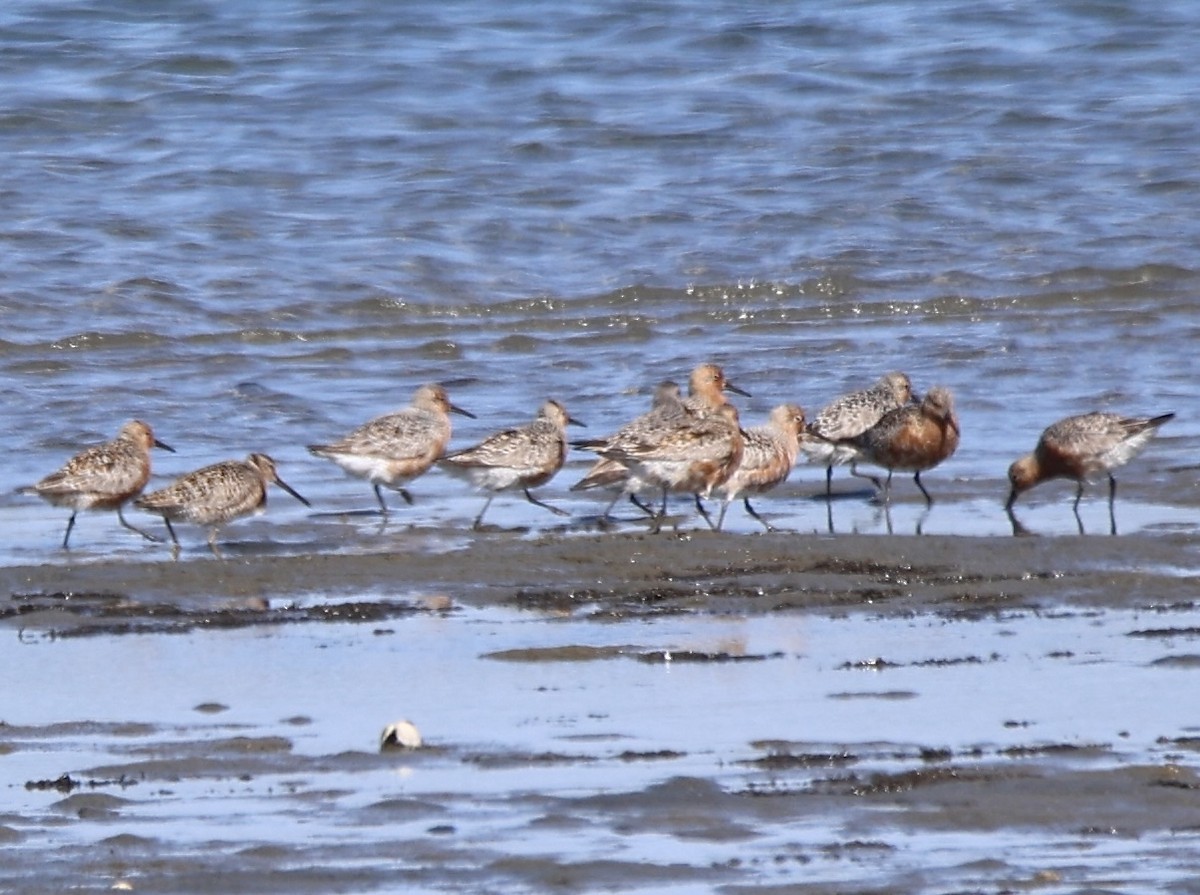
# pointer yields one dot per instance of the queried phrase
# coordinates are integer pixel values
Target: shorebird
(396, 448)
(667, 430)
(768, 455)
(706, 389)
(688, 454)
(103, 477)
(1080, 447)
(612, 474)
(848, 417)
(913, 438)
(215, 495)
(516, 458)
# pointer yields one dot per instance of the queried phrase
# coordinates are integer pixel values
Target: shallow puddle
(684, 752)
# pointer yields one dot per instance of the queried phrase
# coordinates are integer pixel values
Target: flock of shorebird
(692, 445)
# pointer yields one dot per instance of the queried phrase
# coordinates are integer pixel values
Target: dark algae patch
(67, 615)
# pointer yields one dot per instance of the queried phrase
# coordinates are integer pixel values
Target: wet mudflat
(675, 713)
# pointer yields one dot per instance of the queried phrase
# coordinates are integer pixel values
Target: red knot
(614, 475)
(1080, 447)
(215, 495)
(848, 417)
(913, 438)
(768, 455)
(103, 477)
(522, 458)
(706, 389)
(396, 448)
(686, 454)
(680, 447)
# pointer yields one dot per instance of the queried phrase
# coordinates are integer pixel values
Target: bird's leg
(555, 510)
(1112, 499)
(721, 515)
(644, 507)
(917, 479)
(212, 544)
(479, 519)
(866, 475)
(144, 534)
(612, 503)
(749, 509)
(887, 488)
(383, 507)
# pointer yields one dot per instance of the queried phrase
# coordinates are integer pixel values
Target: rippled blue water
(257, 227)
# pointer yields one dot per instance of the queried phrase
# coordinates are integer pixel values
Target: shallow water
(257, 229)
(759, 754)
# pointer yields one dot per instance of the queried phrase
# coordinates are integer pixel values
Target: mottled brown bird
(523, 458)
(614, 475)
(216, 494)
(397, 447)
(103, 477)
(848, 417)
(768, 455)
(687, 455)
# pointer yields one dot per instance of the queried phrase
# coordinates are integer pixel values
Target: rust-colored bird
(768, 455)
(913, 438)
(1080, 447)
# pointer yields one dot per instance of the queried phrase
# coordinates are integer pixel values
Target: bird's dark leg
(917, 479)
(749, 509)
(1112, 499)
(144, 534)
(865, 475)
(383, 507)
(555, 510)
(644, 507)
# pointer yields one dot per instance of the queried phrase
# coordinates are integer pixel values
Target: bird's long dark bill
(461, 412)
(292, 491)
(163, 445)
(730, 387)
(571, 421)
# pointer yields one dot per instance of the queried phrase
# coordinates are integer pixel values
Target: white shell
(400, 735)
